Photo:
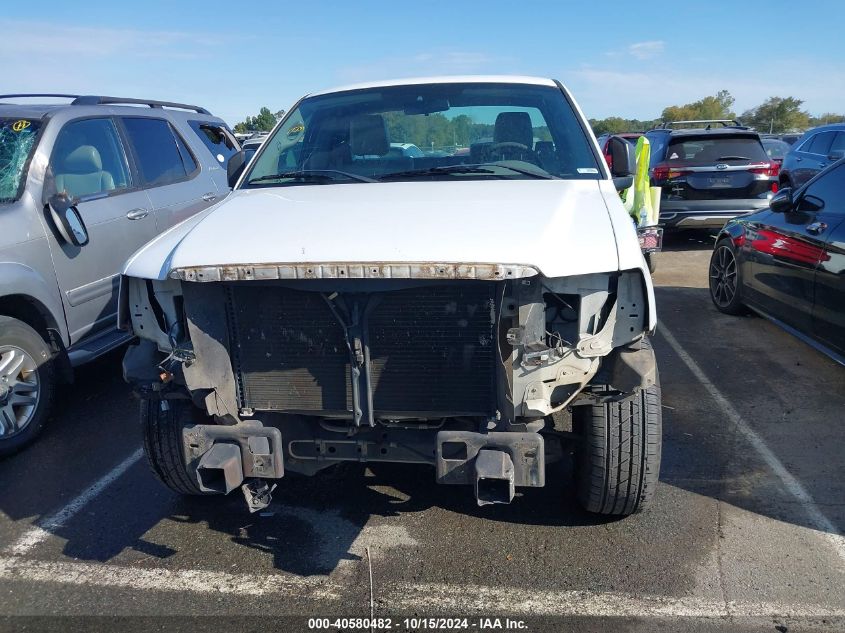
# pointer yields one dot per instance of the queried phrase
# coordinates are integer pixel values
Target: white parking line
(790, 483)
(422, 598)
(45, 527)
(181, 580)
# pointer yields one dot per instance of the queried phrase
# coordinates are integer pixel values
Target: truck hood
(559, 227)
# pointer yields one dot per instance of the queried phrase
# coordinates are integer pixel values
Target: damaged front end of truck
(479, 370)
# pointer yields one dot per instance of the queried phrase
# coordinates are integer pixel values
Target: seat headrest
(85, 159)
(514, 127)
(368, 135)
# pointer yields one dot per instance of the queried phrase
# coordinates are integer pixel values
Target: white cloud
(46, 40)
(646, 50)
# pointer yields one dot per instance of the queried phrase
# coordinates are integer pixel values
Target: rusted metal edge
(359, 270)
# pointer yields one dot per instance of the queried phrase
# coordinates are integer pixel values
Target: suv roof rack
(733, 123)
(101, 100)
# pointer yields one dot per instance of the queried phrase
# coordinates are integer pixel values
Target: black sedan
(788, 262)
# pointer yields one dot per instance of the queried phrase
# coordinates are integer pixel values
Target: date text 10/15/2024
(416, 624)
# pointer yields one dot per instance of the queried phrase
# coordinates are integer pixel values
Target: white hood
(560, 227)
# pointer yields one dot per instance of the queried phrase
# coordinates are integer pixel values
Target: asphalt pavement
(746, 533)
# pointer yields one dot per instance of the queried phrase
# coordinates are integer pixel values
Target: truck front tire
(162, 422)
(617, 461)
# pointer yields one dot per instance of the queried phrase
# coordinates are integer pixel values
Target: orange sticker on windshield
(20, 126)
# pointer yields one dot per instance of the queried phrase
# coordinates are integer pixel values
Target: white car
(479, 313)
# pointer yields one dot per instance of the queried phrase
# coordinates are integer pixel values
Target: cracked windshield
(17, 138)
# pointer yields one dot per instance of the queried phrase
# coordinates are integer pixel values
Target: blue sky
(618, 58)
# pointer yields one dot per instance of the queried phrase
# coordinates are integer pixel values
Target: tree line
(261, 122)
(774, 115)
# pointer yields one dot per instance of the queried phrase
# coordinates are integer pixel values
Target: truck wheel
(26, 384)
(617, 462)
(162, 422)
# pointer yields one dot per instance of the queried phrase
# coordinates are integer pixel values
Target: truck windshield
(445, 131)
(17, 140)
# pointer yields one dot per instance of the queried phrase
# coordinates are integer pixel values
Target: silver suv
(83, 185)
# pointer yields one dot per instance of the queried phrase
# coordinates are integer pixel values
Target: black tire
(725, 286)
(617, 462)
(649, 260)
(16, 336)
(162, 422)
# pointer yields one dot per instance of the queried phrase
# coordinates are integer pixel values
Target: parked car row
(712, 171)
(83, 185)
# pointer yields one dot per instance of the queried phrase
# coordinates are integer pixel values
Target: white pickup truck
(481, 308)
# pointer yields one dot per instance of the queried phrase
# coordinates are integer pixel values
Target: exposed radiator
(431, 349)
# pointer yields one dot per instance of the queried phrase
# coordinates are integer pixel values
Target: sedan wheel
(724, 279)
(20, 390)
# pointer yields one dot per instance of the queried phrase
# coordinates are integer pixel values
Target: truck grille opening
(431, 349)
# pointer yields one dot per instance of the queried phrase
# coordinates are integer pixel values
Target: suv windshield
(17, 140)
(427, 132)
(709, 150)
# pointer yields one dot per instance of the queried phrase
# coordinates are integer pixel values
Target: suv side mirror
(836, 154)
(67, 220)
(624, 162)
(781, 202)
(235, 167)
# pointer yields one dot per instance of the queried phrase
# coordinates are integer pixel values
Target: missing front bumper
(464, 457)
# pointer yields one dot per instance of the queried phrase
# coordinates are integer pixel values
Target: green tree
(618, 125)
(716, 106)
(826, 118)
(778, 114)
(262, 122)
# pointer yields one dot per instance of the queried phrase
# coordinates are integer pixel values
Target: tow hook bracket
(258, 494)
(220, 469)
(494, 477)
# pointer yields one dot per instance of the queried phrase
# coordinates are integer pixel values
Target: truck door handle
(138, 214)
(209, 197)
(816, 227)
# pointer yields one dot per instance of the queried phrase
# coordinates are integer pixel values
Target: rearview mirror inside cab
(67, 220)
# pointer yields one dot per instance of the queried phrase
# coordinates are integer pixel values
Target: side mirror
(836, 154)
(624, 157)
(235, 167)
(623, 162)
(781, 202)
(67, 220)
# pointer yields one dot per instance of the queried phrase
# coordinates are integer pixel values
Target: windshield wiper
(436, 171)
(536, 173)
(321, 175)
(480, 168)
(733, 158)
